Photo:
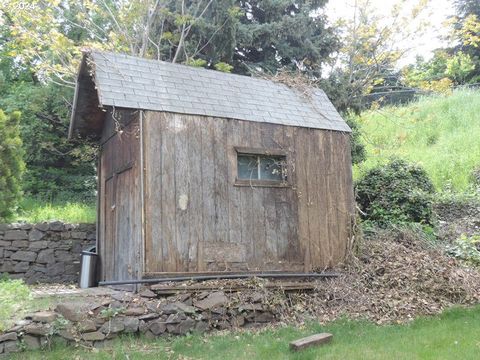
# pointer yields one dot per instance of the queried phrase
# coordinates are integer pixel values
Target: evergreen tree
(11, 164)
(282, 33)
(467, 7)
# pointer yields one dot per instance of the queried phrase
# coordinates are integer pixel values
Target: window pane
(247, 166)
(271, 167)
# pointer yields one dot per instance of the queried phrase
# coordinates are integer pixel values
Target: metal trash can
(88, 265)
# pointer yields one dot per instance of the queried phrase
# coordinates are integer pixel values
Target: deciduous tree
(11, 164)
(373, 44)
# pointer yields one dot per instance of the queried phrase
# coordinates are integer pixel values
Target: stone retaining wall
(44, 253)
(95, 321)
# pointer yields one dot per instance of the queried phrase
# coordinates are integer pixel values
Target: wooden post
(317, 339)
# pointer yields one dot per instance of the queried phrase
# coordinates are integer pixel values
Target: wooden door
(120, 215)
(126, 213)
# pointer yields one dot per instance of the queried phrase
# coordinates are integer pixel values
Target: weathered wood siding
(119, 230)
(197, 220)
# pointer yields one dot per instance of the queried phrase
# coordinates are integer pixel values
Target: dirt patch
(62, 290)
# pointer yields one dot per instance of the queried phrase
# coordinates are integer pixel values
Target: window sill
(262, 183)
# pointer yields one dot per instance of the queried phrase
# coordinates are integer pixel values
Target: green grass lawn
(13, 295)
(34, 210)
(16, 300)
(439, 132)
(453, 335)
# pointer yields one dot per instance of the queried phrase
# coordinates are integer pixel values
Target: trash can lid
(92, 250)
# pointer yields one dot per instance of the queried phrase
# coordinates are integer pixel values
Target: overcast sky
(438, 11)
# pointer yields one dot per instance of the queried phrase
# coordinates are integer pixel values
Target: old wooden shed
(202, 171)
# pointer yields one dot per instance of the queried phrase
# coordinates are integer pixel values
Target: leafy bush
(358, 148)
(397, 192)
(11, 164)
(476, 176)
(466, 249)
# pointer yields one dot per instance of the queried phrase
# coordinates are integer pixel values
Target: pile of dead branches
(392, 280)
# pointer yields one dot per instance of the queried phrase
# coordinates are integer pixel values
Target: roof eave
(87, 111)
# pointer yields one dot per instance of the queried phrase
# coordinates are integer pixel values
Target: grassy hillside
(34, 210)
(441, 133)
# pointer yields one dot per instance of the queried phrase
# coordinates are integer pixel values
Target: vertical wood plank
(194, 124)
(294, 252)
(283, 215)
(258, 209)
(246, 204)
(338, 243)
(344, 201)
(123, 232)
(101, 217)
(109, 226)
(208, 191)
(322, 251)
(182, 191)
(168, 193)
(153, 198)
(302, 163)
(350, 196)
(332, 190)
(220, 180)
(235, 215)
(270, 136)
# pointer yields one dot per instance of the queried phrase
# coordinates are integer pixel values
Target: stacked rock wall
(47, 252)
(95, 321)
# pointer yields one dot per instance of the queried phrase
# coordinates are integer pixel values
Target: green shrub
(397, 192)
(466, 249)
(11, 164)
(359, 153)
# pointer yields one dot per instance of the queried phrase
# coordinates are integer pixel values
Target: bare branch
(186, 29)
(124, 32)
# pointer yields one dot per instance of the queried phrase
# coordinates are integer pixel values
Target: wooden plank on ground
(162, 289)
(317, 339)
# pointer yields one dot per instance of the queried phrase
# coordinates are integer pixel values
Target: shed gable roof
(130, 82)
